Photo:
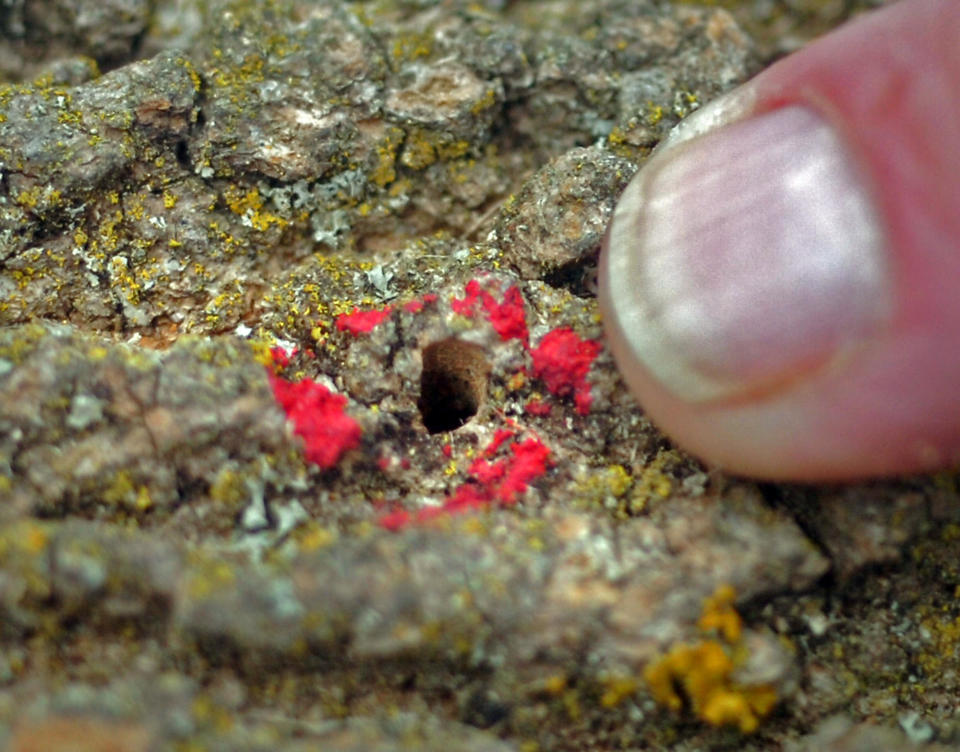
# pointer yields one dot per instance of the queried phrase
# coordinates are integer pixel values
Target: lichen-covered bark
(382, 218)
(165, 195)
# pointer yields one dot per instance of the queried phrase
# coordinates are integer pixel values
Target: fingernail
(744, 256)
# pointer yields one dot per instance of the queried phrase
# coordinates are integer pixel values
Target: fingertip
(779, 285)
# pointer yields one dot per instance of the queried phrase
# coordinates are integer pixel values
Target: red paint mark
(466, 305)
(280, 356)
(500, 482)
(499, 437)
(508, 318)
(537, 407)
(415, 306)
(467, 497)
(318, 417)
(360, 322)
(395, 520)
(507, 465)
(562, 361)
(513, 475)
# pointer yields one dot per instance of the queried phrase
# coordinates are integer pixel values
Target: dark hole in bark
(579, 277)
(453, 384)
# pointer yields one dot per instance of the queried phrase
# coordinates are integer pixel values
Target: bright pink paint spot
(486, 472)
(466, 497)
(562, 361)
(499, 482)
(465, 306)
(318, 418)
(395, 520)
(415, 306)
(499, 437)
(507, 318)
(280, 356)
(529, 461)
(361, 322)
(537, 407)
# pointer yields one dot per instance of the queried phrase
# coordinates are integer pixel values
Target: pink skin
(890, 85)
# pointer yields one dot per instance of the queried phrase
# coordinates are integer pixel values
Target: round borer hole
(453, 384)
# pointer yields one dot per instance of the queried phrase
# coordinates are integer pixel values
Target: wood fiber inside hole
(453, 384)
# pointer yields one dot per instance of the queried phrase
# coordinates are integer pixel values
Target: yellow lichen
(556, 684)
(653, 482)
(29, 198)
(412, 46)
(249, 205)
(453, 149)
(654, 113)
(517, 381)
(606, 488)
(940, 653)
(143, 501)
(700, 674)
(419, 152)
(228, 488)
(313, 537)
(35, 539)
(191, 71)
(384, 173)
(720, 616)
(488, 100)
(123, 491)
(617, 689)
(616, 137)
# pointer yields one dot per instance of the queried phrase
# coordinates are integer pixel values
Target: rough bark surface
(308, 436)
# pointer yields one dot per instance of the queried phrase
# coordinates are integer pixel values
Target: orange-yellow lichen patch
(616, 689)
(941, 649)
(312, 537)
(701, 674)
(654, 482)
(249, 205)
(34, 539)
(720, 616)
(555, 684)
